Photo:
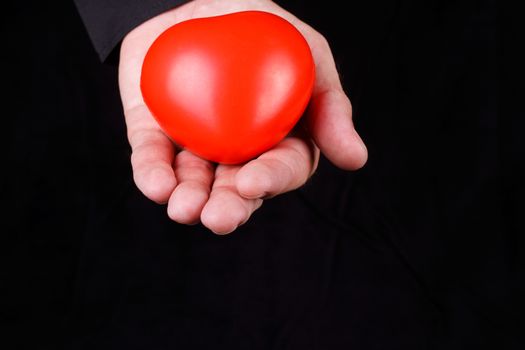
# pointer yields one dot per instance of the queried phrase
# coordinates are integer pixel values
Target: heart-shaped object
(229, 87)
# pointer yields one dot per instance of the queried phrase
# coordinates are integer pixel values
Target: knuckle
(320, 41)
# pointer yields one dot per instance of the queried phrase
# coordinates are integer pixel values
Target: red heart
(228, 87)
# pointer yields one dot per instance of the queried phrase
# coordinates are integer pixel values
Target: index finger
(284, 168)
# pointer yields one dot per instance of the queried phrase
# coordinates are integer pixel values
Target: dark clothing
(421, 249)
(108, 21)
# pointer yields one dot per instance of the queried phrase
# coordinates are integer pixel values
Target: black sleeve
(108, 21)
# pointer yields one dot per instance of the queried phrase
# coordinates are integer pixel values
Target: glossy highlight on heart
(228, 87)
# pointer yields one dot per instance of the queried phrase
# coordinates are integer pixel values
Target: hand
(223, 197)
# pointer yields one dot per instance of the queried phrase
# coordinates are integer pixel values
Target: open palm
(223, 197)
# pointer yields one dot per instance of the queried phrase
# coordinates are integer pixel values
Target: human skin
(223, 197)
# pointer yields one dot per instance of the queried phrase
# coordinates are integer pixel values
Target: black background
(421, 249)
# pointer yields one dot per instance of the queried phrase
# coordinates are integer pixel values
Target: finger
(151, 157)
(282, 169)
(194, 176)
(329, 114)
(226, 209)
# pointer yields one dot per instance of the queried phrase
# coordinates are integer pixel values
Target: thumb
(329, 120)
(329, 114)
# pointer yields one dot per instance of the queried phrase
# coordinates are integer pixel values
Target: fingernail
(223, 233)
(361, 142)
(258, 195)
